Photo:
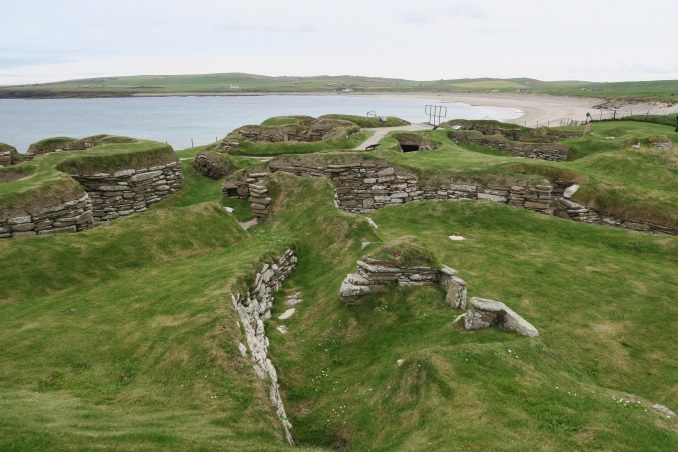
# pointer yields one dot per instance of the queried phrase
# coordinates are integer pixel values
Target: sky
(594, 40)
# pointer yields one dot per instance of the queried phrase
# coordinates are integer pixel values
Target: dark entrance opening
(232, 193)
(409, 147)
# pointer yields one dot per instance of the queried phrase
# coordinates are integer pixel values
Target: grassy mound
(406, 251)
(615, 178)
(369, 122)
(45, 180)
(287, 120)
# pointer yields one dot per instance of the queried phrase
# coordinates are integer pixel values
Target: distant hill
(236, 82)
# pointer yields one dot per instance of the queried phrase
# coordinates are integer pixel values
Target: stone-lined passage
(253, 308)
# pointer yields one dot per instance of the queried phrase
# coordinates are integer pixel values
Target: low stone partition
(553, 152)
(254, 307)
(662, 145)
(129, 190)
(363, 185)
(70, 216)
(485, 313)
(373, 275)
(565, 208)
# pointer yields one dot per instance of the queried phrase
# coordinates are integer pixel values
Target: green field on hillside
(124, 337)
(235, 83)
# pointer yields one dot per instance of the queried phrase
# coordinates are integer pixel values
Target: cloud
(418, 39)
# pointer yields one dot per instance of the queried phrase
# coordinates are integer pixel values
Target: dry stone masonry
(254, 307)
(5, 158)
(541, 151)
(363, 185)
(375, 275)
(70, 216)
(368, 184)
(565, 208)
(104, 197)
(129, 191)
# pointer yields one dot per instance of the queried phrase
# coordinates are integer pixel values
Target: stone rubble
(254, 307)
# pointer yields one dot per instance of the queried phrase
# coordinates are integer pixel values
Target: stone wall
(131, 190)
(662, 145)
(370, 184)
(308, 130)
(541, 151)
(565, 208)
(254, 307)
(105, 197)
(5, 158)
(70, 216)
(374, 275)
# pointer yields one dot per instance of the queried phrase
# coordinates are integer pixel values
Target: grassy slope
(593, 292)
(100, 348)
(249, 83)
(129, 340)
(616, 179)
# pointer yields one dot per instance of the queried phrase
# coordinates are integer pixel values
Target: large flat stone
(485, 312)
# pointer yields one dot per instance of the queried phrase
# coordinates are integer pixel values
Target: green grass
(487, 390)
(248, 148)
(616, 179)
(286, 120)
(124, 336)
(407, 251)
(132, 338)
(369, 122)
(663, 90)
(47, 183)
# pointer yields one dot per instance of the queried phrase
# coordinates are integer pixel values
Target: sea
(186, 121)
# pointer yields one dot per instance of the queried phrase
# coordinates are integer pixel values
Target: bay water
(185, 121)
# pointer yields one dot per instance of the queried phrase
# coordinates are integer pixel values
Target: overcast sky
(594, 40)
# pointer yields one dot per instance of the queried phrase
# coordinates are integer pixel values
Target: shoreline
(527, 109)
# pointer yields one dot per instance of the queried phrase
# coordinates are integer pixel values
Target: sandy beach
(540, 109)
